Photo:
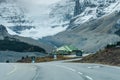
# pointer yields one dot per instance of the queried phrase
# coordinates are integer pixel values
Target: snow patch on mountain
(39, 32)
(27, 17)
(40, 18)
(95, 9)
(92, 29)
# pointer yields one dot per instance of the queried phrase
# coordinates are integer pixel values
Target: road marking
(80, 73)
(71, 69)
(89, 77)
(95, 67)
(90, 67)
(68, 68)
(12, 71)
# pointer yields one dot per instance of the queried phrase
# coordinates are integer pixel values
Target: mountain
(87, 24)
(93, 28)
(3, 32)
(29, 18)
(13, 15)
(21, 44)
(41, 18)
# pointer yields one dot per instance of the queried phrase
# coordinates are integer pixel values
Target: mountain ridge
(96, 25)
(4, 34)
(92, 35)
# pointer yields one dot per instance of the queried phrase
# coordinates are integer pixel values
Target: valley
(59, 39)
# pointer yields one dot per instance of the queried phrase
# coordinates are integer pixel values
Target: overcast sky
(45, 2)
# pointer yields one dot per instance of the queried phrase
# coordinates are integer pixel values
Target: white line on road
(12, 71)
(89, 77)
(80, 73)
(90, 67)
(95, 67)
(66, 68)
(71, 69)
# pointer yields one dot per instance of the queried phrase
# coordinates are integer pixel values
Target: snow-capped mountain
(94, 9)
(90, 24)
(13, 16)
(39, 18)
(88, 10)
(29, 18)
(96, 25)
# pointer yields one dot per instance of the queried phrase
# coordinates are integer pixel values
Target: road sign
(55, 56)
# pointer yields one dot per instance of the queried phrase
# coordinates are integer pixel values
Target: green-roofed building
(67, 50)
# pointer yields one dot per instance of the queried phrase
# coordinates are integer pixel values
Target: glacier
(29, 18)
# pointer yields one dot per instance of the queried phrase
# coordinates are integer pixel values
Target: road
(58, 71)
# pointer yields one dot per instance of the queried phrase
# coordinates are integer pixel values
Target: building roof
(67, 48)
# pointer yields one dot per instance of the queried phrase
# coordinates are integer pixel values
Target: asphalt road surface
(58, 71)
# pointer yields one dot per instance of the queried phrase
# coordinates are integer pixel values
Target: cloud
(40, 2)
(47, 2)
(42, 32)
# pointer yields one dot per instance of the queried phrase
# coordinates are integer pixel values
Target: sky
(38, 2)
(47, 2)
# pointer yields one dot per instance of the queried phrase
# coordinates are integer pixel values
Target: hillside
(90, 36)
(21, 44)
(110, 56)
(14, 45)
(95, 24)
